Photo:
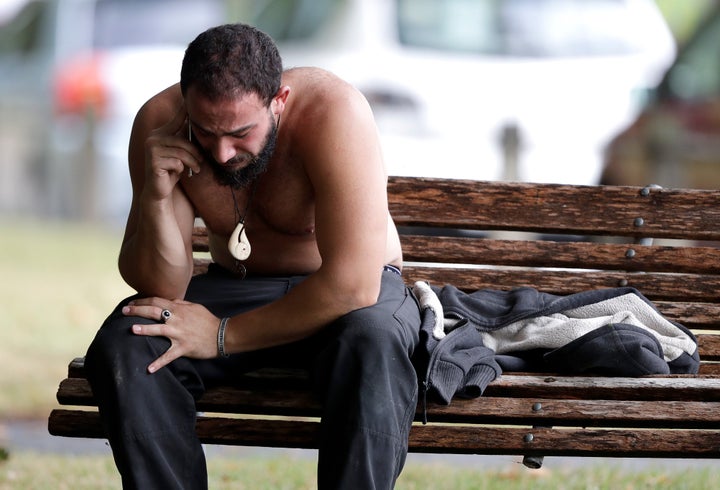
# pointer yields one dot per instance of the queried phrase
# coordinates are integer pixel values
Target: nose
(223, 151)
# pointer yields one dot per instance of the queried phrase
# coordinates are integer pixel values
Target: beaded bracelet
(221, 338)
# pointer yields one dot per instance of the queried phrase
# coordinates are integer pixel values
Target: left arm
(344, 164)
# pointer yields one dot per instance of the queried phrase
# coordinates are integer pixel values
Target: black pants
(360, 365)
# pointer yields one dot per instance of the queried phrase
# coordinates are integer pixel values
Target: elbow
(367, 297)
(154, 285)
(149, 289)
(361, 293)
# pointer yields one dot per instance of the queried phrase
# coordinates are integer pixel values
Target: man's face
(242, 170)
(237, 137)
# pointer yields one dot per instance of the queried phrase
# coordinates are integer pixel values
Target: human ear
(277, 105)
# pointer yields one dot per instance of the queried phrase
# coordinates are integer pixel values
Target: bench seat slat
(427, 438)
(567, 442)
(683, 389)
(76, 369)
(493, 410)
(657, 387)
(578, 413)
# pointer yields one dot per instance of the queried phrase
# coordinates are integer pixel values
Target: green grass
(257, 473)
(59, 281)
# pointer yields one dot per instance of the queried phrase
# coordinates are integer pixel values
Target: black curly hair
(232, 59)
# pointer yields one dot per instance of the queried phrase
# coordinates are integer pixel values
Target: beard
(255, 167)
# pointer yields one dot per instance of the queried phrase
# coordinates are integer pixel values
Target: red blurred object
(79, 87)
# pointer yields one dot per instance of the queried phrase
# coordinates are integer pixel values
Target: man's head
(229, 60)
(230, 80)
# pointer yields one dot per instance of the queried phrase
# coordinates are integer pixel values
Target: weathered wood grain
(573, 255)
(657, 287)
(445, 439)
(678, 401)
(553, 208)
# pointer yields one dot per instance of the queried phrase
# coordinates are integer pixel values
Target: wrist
(153, 203)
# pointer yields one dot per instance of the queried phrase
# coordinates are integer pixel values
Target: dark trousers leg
(361, 366)
(368, 387)
(150, 418)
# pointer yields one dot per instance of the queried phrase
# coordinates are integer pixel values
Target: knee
(115, 346)
(366, 368)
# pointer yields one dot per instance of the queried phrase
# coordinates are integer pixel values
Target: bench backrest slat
(586, 255)
(552, 208)
(702, 288)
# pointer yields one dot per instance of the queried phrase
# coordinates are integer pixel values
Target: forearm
(305, 310)
(154, 260)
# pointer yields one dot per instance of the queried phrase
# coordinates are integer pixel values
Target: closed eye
(240, 135)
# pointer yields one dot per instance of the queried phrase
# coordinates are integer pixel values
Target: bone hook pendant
(238, 245)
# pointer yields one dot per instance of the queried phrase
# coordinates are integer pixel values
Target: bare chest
(277, 205)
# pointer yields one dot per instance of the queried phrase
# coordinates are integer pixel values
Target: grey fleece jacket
(613, 332)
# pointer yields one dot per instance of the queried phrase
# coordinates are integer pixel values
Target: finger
(180, 126)
(170, 143)
(151, 300)
(178, 121)
(183, 151)
(151, 330)
(169, 356)
(175, 157)
(158, 331)
(150, 311)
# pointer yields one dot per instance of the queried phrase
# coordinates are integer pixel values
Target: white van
(453, 81)
(483, 89)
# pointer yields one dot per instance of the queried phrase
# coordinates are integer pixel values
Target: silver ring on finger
(165, 315)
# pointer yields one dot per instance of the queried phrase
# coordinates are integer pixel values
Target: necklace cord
(238, 217)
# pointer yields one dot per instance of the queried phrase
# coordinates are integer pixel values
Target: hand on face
(168, 152)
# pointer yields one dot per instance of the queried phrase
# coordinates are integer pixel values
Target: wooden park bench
(559, 239)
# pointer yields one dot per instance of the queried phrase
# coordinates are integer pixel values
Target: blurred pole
(87, 167)
(510, 142)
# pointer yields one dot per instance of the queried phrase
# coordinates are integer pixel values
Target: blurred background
(567, 91)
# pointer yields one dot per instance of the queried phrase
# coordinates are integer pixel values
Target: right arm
(156, 253)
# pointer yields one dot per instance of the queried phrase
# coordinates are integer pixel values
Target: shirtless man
(286, 166)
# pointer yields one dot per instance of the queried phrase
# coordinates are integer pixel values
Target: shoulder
(159, 109)
(330, 128)
(323, 105)
(321, 93)
(316, 79)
